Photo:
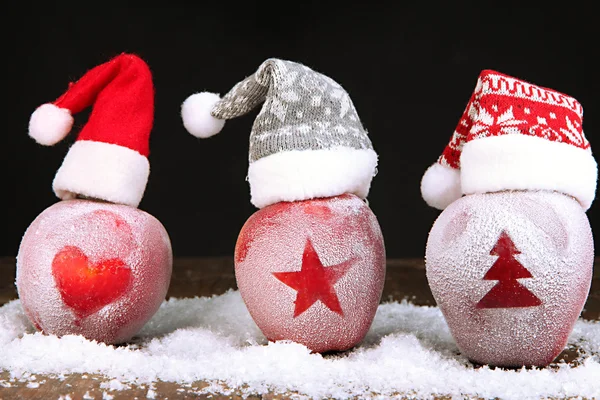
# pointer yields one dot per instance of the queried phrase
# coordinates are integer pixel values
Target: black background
(409, 68)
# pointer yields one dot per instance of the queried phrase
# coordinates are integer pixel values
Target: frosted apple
(92, 268)
(312, 271)
(511, 272)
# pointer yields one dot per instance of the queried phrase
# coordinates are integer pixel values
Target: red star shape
(314, 282)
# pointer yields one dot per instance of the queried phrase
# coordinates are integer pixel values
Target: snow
(408, 350)
(114, 384)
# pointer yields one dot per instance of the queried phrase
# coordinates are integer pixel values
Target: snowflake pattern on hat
(503, 105)
(302, 110)
(306, 142)
(514, 135)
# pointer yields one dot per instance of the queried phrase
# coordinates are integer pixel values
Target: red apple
(511, 272)
(312, 271)
(96, 269)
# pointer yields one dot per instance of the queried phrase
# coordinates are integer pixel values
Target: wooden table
(405, 278)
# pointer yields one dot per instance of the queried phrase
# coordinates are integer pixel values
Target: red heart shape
(87, 287)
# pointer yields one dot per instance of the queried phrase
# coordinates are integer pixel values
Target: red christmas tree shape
(508, 292)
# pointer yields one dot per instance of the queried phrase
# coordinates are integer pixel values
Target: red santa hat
(514, 136)
(109, 160)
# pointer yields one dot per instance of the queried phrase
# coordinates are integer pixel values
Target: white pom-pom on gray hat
(196, 115)
(306, 142)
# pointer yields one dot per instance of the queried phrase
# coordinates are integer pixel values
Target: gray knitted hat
(306, 142)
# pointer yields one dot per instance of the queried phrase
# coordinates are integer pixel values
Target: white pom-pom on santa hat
(49, 124)
(104, 163)
(196, 115)
(546, 148)
(440, 186)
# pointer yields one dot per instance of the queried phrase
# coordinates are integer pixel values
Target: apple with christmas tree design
(509, 260)
(511, 272)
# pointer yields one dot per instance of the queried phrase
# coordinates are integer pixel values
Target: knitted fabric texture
(514, 135)
(502, 105)
(303, 110)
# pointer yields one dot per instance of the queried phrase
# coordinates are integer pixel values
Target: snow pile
(408, 350)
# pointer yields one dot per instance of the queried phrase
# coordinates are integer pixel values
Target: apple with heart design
(92, 268)
(312, 271)
(94, 264)
(86, 287)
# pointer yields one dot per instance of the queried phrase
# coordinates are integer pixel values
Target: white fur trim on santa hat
(522, 162)
(306, 174)
(102, 171)
(440, 186)
(50, 124)
(195, 113)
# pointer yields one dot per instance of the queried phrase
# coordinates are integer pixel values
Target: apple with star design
(509, 260)
(312, 271)
(310, 263)
(94, 264)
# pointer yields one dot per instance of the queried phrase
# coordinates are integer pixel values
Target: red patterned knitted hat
(109, 159)
(514, 136)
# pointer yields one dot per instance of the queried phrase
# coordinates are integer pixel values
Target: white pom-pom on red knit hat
(514, 136)
(109, 159)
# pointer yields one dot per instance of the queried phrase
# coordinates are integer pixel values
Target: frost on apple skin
(273, 240)
(554, 238)
(102, 231)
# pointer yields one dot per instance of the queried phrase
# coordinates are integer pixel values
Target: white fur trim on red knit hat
(514, 136)
(109, 158)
